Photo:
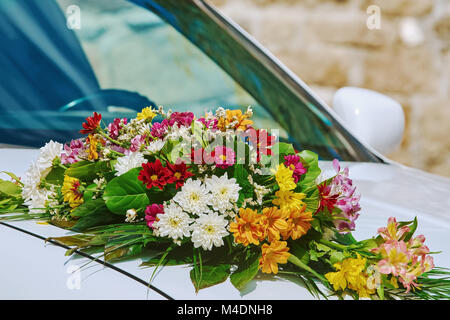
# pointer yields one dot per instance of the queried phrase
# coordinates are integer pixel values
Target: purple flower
(159, 129)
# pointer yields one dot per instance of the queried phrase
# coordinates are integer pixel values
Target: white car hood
(386, 190)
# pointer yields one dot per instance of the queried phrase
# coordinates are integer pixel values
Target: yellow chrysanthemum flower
(146, 114)
(272, 255)
(284, 178)
(287, 199)
(71, 191)
(299, 223)
(350, 274)
(274, 222)
(247, 229)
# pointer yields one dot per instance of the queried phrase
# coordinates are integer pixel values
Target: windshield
(116, 57)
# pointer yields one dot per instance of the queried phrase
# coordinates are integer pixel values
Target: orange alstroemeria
(272, 255)
(92, 151)
(247, 229)
(299, 222)
(239, 120)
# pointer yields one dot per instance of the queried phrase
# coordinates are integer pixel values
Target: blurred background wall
(328, 45)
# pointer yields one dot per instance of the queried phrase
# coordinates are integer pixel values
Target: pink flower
(115, 127)
(223, 157)
(137, 142)
(181, 118)
(293, 162)
(71, 152)
(391, 232)
(209, 124)
(340, 194)
(151, 212)
(159, 129)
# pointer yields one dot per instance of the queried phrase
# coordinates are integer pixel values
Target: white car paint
(31, 269)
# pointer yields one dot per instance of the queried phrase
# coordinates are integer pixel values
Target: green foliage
(87, 171)
(246, 271)
(126, 192)
(241, 176)
(310, 161)
(209, 275)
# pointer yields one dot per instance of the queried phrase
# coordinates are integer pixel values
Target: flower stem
(296, 261)
(111, 139)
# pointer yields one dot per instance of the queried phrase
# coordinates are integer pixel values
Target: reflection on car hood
(386, 190)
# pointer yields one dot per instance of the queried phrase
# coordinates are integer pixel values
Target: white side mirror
(371, 116)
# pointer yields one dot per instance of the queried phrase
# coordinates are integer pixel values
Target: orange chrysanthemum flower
(272, 255)
(274, 221)
(299, 223)
(247, 229)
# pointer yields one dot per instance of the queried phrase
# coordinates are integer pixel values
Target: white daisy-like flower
(126, 163)
(39, 200)
(173, 223)
(131, 215)
(224, 192)
(154, 146)
(48, 153)
(208, 230)
(193, 197)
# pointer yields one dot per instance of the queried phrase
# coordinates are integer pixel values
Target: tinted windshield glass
(116, 57)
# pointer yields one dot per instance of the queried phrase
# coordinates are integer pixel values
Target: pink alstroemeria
(115, 126)
(150, 213)
(71, 152)
(340, 193)
(210, 123)
(137, 142)
(392, 232)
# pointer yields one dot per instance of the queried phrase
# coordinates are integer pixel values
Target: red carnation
(179, 173)
(153, 174)
(91, 124)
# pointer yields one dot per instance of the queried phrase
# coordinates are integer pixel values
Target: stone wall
(328, 44)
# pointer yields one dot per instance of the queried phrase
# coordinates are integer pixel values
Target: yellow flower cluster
(234, 119)
(146, 114)
(92, 151)
(351, 274)
(71, 191)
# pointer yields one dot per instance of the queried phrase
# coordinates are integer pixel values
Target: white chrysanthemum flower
(126, 163)
(208, 230)
(131, 215)
(48, 153)
(31, 182)
(193, 197)
(39, 200)
(224, 192)
(154, 146)
(173, 223)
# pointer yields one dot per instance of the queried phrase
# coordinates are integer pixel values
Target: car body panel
(386, 189)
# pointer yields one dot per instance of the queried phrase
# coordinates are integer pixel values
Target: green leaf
(87, 171)
(126, 192)
(89, 192)
(298, 249)
(10, 189)
(336, 256)
(95, 219)
(55, 176)
(245, 272)
(412, 228)
(312, 199)
(91, 207)
(311, 162)
(210, 275)
(13, 176)
(241, 176)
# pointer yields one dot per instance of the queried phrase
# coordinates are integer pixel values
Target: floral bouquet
(217, 194)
